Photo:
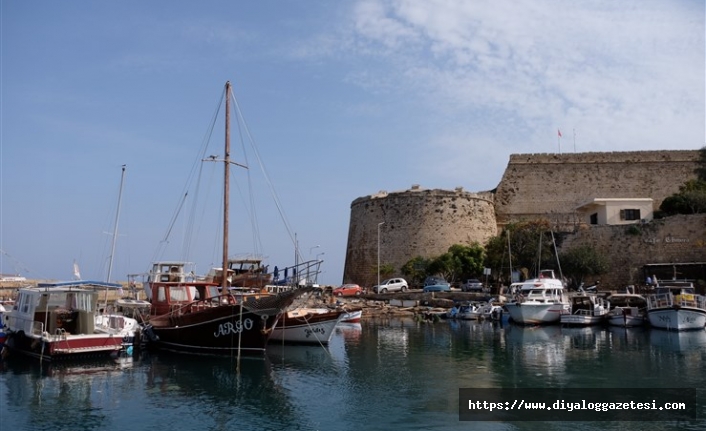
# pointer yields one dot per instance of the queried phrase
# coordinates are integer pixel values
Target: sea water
(379, 375)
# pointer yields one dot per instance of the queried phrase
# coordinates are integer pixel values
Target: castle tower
(416, 222)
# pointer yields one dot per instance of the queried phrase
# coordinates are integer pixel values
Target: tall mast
(115, 230)
(226, 192)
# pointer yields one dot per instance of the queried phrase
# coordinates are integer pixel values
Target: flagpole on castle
(574, 140)
(558, 139)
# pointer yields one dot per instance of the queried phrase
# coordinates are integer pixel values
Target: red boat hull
(84, 346)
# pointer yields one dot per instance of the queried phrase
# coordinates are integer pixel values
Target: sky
(341, 99)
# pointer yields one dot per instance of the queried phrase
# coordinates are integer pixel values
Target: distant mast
(115, 230)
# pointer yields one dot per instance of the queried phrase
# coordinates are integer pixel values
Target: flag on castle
(558, 132)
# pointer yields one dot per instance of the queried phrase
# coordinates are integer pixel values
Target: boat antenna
(115, 229)
(556, 253)
(509, 253)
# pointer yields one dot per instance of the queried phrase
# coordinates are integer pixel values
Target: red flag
(558, 132)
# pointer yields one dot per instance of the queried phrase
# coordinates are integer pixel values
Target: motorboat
(675, 306)
(58, 320)
(538, 301)
(586, 309)
(628, 309)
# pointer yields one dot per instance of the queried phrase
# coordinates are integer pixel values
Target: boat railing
(58, 335)
(660, 300)
(25, 323)
(690, 300)
(37, 328)
(668, 299)
(216, 301)
(582, 312)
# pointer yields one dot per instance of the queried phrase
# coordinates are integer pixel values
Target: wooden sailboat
(205, 317)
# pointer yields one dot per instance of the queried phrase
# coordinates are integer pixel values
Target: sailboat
(202, 316)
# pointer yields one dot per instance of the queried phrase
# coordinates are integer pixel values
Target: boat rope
(240, 336)
(273, 192)
(317, 337)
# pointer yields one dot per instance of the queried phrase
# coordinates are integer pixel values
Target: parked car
(348, 290)
(391, 285)
(431, 280)
(440, 287)
(472, 285)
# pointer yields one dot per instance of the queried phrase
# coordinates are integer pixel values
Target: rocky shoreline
(407, 304)
(400, 304)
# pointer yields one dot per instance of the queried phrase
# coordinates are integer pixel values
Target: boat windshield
(537, 292)
(674, 290)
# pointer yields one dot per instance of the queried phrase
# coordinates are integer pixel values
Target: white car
(391, 285)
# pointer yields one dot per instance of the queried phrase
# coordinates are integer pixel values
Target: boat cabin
(168, 272)
(246, 272)
(53, 310)
(675, 287)
(168, 296)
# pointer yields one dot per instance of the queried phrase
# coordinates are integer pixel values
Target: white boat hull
(677, 319)
(626, 317)
(581, 320)
(352, 317)
(467, 316)
(527, 313)
(306, 333)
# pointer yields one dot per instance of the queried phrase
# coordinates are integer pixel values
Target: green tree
(691, 199)
(530, 246)
(447, 265)
(386, 271)
(415, 270)
(470, 260)
(583, 261)
(458, 262)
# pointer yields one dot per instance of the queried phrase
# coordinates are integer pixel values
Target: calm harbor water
(378, 375)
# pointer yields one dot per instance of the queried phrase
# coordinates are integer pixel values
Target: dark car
(433, 279)
(440, 287)
(472, 285)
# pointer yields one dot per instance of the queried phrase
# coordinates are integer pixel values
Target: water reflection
(351, 332)
(83, 388)
(221, 390)
(678, 341)
(397, 374)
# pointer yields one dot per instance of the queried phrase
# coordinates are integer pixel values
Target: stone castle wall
(553, 185)
(678, 240)
(417, 222)
(427, 222)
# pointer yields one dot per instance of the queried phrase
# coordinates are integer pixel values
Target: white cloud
(626, 73)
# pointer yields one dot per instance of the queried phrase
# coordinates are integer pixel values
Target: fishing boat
(675, 306)
(469, 311)
(538, 301)
(307, 326)
(628, 309)
(586, 309)
(197, 315)
(352, 315)
(57, 321)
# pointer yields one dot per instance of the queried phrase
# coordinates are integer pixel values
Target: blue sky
(343, 99)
